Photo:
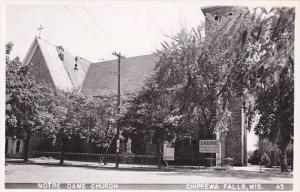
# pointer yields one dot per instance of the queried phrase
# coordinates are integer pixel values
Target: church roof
(55, 67)
(93, 78)
(102, 77)
(78, 75)
(62, 72)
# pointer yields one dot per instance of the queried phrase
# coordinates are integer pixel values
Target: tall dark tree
(99, 115)
(66, 119)
(268, 76)
(151, 113)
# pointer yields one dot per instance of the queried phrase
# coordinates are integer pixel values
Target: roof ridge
(65, 50)
(48, 42)
(99, 63)
(77, 56)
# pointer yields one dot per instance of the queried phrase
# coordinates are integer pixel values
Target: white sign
(209, 146)
(169, 151)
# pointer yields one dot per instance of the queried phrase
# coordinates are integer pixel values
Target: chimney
(60, 51)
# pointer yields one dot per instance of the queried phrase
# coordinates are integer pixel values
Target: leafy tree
(254, 158)
(67, 119)
(32, 109)
(191, 86)
(268, 75)
(89, 118)
(26, 102)
(149, 112)
(98, 114)
(193, 70)
(248, 55)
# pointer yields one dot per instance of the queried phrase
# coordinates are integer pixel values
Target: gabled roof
(102, 77)
(56, 69)
(92, 78)
(63, 74)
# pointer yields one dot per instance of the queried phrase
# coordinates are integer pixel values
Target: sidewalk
(251, 169)
(55, 162)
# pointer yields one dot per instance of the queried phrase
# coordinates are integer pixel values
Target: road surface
(32, 173)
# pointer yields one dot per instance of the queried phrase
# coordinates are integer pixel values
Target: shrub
(254, 158)
(265, 160)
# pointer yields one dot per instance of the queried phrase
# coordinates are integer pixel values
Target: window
(18, 146)
(230, 14)
(217, 18)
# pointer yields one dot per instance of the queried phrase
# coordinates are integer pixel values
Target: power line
(82, 23)
(99, 27)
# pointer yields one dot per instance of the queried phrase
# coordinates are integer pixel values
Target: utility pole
(118, 109)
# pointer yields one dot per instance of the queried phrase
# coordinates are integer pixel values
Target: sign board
(209, 146)
(169, 151)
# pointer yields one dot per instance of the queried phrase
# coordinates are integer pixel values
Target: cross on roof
(40, 30)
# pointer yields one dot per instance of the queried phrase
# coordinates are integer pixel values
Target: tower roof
(210, 9)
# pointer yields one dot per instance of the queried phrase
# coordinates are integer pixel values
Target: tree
(254, 158)
(256, 48)
(67, 119)
(193, 70)
(26, 102)
(248, 55)
(191, 86)
(150, 112)
(268, 71)
(98, 114)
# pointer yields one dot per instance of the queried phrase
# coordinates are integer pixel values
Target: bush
(265, 160)
(254, 158)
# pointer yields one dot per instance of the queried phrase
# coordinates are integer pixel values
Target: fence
(127, 158)
(97, 157)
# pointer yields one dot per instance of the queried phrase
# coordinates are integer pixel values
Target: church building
(55, 67)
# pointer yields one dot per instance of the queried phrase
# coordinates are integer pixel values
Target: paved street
(32, 173)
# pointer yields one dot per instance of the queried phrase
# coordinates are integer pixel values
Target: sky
(95, 31)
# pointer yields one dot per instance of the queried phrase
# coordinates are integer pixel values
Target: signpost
(210, 146)
(169, 151)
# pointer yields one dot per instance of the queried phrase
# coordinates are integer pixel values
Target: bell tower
(235, 144)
